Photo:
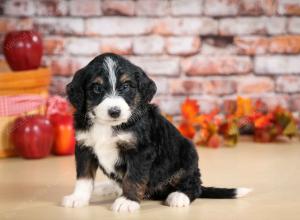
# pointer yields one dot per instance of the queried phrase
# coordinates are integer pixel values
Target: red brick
(269, 6)
(276, 25)
(53, 45)
(67, 66)
(11, 24)
(83, 46)
(242, 26)
(252, 25)
(208, 49)
(118, 7)
(289, 7)
(219, 65)
(285, 44)
(258, 7)
(186, 7)
(19, 7)
(51, 25)
(148, 45)
(288, 84)
(277, 64)
(169, 105)
(295, 103)
(161, 84)
(288, 44)
(152, 7)
(218, 46)
(221, 7)
(163, 66)
(186, 26)
(252, 84)
(52, 7)
(117, 45)
(219, 86)
(123, 26)
(183, 45)
(294, 25)
(252, 45)
(81, 8)
(186, 86)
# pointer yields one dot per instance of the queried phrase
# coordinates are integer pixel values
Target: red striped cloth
(16, 105)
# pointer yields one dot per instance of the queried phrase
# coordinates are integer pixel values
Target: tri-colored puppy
(120, 132)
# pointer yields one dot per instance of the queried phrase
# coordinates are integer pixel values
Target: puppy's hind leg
(186, 191)
(107, 188)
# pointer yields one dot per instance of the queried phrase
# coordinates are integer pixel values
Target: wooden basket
(29, 82)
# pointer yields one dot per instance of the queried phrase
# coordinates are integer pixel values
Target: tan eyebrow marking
(98, 79)
(125, 77)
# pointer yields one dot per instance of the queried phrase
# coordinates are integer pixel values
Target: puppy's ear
(147, 87)
(75, 91)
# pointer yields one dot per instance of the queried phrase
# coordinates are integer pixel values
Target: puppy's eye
(125, 87)
(97, 88)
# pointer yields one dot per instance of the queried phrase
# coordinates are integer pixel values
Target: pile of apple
(36, 136)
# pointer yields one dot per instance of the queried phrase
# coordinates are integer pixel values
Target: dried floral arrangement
(243, 116)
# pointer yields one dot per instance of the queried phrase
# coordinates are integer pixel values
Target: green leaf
(231, 141)
(291, 129)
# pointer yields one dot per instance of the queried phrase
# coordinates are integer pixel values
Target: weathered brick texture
(210, 50)
(216, 65)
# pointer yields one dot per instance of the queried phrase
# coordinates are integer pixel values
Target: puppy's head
(110, 89)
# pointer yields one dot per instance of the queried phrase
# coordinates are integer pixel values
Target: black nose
(114, 112)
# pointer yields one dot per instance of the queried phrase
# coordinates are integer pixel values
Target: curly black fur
(159, 161)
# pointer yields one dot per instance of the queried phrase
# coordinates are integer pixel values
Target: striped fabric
(16, 105)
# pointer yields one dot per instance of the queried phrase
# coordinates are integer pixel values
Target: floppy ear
(146, 86)
(75, 91)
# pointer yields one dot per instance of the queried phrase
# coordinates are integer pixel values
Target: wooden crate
(29, 82)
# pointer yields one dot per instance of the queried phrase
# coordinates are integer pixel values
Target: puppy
(120, 132)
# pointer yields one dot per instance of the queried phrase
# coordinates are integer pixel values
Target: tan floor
(32, 189)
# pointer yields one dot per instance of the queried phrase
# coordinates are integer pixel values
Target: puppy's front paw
(177, 199)
(122, 204)
(74, 201)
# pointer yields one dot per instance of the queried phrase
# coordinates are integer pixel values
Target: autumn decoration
(242, 116)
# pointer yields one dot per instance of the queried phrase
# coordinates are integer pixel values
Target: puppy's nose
(114, 112)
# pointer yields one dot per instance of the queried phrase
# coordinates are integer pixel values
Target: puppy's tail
(223, 193)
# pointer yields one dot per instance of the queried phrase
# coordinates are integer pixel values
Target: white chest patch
(104, 144)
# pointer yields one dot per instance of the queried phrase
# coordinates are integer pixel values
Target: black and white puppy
(120, 132)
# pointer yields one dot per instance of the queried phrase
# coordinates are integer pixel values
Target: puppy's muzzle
(114, 112)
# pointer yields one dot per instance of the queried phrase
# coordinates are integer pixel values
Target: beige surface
(32, 189)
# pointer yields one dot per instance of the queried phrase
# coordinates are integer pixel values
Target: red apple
(32, 136)
(64, 141)
(23, 50)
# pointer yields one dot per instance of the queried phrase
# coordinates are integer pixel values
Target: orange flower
(263, 121)
(244, 107)
(187, 130)
(190, 109)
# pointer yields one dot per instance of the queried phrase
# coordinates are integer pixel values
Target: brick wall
(211, 50)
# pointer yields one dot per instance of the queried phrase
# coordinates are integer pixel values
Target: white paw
(122, 204)
(74, 201)
(240, 192)
(177, 199)
(106, 188)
